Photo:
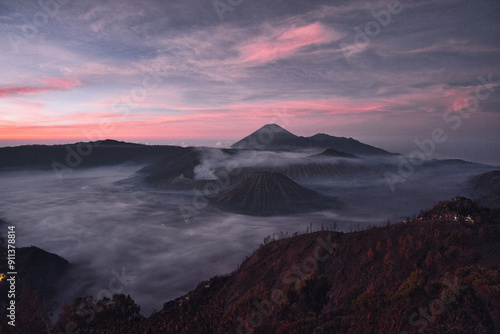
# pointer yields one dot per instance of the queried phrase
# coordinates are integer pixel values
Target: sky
(209, 72)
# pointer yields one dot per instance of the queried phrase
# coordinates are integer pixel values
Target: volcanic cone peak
(268, 193)
(274, 137)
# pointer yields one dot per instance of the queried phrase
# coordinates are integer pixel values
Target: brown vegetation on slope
(432, 276)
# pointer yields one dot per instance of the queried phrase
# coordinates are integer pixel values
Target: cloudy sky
(205, 72)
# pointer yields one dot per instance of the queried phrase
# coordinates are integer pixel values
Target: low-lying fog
(135, 240)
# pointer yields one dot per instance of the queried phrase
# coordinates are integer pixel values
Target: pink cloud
(9, 91)
(48, 85)
(280, 44)
(60, 83)
(302, 108)
(438, 98)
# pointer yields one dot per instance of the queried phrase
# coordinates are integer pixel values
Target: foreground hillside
(432, 275)
(438, 273)
(39, 277)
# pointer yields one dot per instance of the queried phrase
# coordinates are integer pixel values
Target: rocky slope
(431, 276)
(266, 194)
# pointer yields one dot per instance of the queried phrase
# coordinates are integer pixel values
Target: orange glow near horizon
(31, 121)
(96, 131)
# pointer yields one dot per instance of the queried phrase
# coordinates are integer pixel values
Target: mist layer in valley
(125, 235)
(128, 239)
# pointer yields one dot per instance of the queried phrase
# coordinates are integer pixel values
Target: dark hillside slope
(266, 194)
(330, 152)
(486, 187)
(180, 162)
(374, 281)
(177, 171)
(430, 276)
(40, 277)
(37, 269)
(90, 154)
(347, 145)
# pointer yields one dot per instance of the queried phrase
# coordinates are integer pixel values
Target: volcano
(268, 194)
(274, 137)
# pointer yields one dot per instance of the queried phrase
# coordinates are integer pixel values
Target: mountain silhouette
(346, 145)
(274, 137)
(267, 194)
(83, 154)
(486, 187)
(178, 163)
(38, 270)
(330, 152)
(271, 135)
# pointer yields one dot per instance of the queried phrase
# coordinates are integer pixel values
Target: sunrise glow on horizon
(186, 72)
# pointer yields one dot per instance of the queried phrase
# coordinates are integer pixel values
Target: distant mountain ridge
(486, 187)
(274, 137)
(83, 154)
(181, 162)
